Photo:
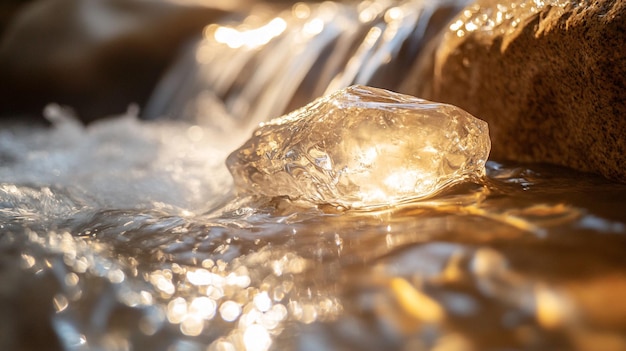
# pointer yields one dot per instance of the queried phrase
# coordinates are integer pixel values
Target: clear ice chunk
(362, 147)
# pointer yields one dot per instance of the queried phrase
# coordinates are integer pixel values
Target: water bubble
(176, 310)
(199, 277)
(192, 325)
(71, 279)
(116, 276)
(256, 338)
(215, 292)
(262, 301)
(28, 261)
(60, 303)
(203, 307)
(230, 310)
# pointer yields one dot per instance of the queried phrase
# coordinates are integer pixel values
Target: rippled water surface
(532, 258)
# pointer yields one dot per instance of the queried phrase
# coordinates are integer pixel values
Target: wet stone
(362, 147)
(545, 75)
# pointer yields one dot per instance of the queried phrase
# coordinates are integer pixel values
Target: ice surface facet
(362, 147)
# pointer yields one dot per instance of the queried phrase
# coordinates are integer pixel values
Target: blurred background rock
(97, 56)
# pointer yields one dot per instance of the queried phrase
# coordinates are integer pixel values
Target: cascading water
(268, 63)
(126, 235)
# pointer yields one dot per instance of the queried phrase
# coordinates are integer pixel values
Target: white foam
(120, 162)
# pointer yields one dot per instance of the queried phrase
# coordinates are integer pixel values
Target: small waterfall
(247, 70)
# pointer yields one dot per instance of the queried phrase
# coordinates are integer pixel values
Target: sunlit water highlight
(527, 259)
(125, 235)
(263, 65)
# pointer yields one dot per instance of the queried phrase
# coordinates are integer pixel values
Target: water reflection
(250, 38)
(445, 274)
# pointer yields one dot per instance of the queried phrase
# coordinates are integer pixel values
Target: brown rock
(548, 76)
(97, 56)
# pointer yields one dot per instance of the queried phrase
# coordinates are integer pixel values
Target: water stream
(126, 234)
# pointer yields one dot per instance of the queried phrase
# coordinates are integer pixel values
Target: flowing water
(126, 235)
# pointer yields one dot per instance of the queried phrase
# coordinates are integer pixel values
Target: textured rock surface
(549, 78)
(362, 147)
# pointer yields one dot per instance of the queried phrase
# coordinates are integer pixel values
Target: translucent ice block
(362, 147)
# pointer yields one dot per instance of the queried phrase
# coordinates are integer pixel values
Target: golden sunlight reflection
(394, 14)
(408, 180)
(28, 261)
(256, 338)
(230, 311)
(504, 18)
(553, 309)
(301, 10)
(413, 284)
(488, 262)
(369, 10)
(262, 302)
(250, 38)
(313, 27)
(203, 307)
(162, 280)
(192, 325)
(71, 279)
(432, 275)
(255, 307)
(416, 303)
(176, 310)
(60, 303)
